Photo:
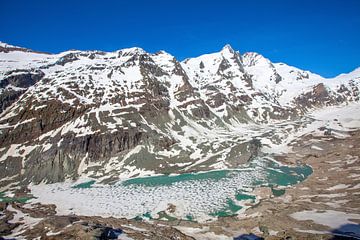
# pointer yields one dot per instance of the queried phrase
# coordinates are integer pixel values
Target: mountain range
(128, 113)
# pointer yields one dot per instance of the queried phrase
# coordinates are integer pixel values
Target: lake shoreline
(333, 186)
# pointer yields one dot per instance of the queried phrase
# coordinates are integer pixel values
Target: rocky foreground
(324, 205)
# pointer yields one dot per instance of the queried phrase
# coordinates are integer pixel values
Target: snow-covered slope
(128, 113)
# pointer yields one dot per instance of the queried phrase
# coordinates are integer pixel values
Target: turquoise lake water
(275, 175)
(3, 198)
(237, 184)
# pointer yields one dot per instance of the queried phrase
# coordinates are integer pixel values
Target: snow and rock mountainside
(130, 113)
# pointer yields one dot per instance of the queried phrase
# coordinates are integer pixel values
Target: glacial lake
(196, 196)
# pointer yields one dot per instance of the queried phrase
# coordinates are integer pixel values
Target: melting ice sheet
(197, 196)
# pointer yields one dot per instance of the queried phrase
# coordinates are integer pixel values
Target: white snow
(330, 218)
(338, 187)
(202, 233)
(316, 148)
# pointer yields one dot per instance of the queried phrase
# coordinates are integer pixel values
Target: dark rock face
(217, 99)
(254, 147)
(67, 151)
(54, 115)
(317, 97)
(100, 146)
(147, 66)
(8, 97)
(63, 158)
(12, 166)
(21, 79)
(223, 66)
(278, 78)
(248, 80)
(53, 166)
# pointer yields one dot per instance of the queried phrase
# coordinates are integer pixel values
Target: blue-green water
(168, 179)
(230, 209)
(286, 176)
(269, 174)
(85, 184)
(218, 193)
(278, 192)
(3, 198)
(275, 175)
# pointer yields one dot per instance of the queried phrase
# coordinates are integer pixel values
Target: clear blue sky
(317, 35)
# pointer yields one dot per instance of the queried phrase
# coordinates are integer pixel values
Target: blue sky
(317, 35)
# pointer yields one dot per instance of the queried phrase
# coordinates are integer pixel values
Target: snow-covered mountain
(129, 113)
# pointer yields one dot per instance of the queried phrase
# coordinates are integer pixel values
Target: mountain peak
(134, 50)
(163, 52)
(131, 51)
(228, 48)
